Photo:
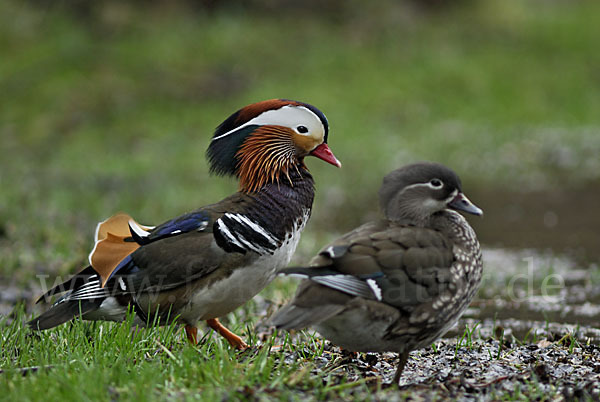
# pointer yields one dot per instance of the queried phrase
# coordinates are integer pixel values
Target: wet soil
(528, 291)
(488, 369)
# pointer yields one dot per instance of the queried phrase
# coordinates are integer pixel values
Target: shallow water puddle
(564, 220)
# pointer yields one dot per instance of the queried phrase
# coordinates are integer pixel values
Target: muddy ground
(488, 369)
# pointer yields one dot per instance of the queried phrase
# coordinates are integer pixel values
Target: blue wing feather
(197, 220)
(126, 266)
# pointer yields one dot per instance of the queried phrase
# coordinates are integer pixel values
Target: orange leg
(192, 334)
(232, 338)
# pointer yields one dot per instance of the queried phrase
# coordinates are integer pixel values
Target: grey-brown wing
(398, 265)
(175, 261)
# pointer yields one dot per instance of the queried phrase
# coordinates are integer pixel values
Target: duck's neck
(285, 206)
(458, 230)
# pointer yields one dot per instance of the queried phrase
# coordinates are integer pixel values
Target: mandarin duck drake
(399, 283)
(206, 263)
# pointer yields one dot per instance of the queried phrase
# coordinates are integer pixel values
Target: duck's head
(264, 141)
(413, 193)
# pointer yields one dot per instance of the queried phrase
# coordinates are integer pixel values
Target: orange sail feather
(113, 244)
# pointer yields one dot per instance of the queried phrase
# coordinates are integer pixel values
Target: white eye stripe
(451, 197)
(428, 185)
(289, 116)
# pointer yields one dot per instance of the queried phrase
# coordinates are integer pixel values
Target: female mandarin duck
(206, 263)
(399, 283)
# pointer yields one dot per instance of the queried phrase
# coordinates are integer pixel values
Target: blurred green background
(109, 106)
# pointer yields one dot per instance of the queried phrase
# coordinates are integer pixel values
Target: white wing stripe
(227, 233)
(88, 286)
(375, 288)
(244, 220)
(87, 289)
(138, 229)
(253, 247)
(346, 284)
(91, 294)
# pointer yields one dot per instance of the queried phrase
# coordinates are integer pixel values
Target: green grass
(111, 109)
(104, 361)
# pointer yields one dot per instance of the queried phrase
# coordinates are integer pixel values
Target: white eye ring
(435, 183)
(302, 129)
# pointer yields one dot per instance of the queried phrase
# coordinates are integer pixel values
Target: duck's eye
(302, 129)
(436, 183)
